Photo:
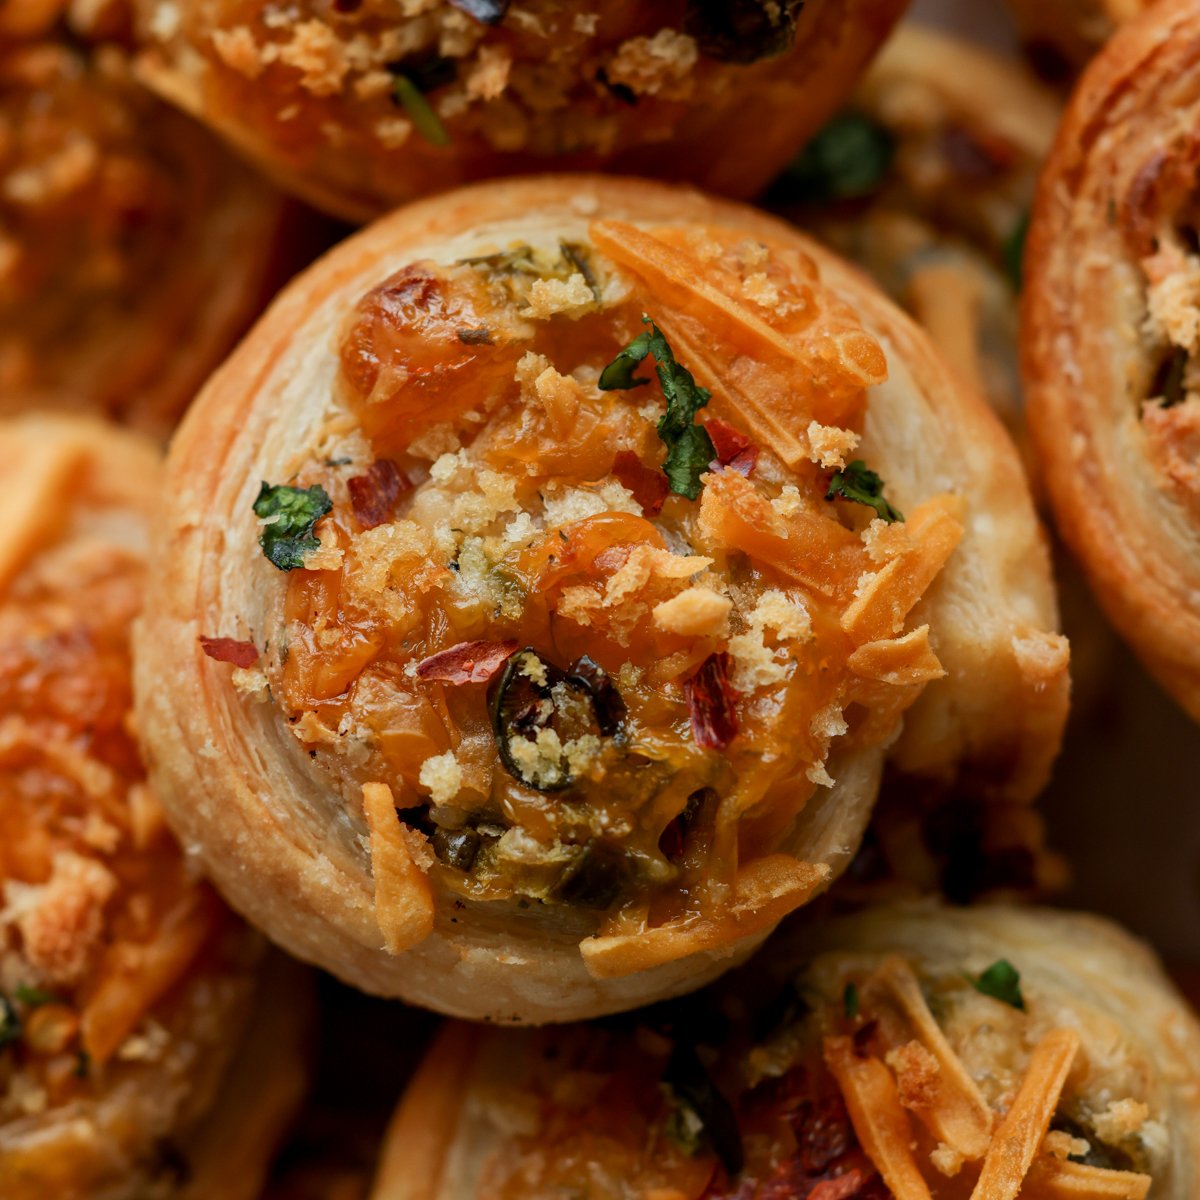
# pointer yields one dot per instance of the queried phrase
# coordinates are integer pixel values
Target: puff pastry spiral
(146, 1048)
(908, 1052)
(134, 249)
(362, 105)
(1109, 339)
(560, 677)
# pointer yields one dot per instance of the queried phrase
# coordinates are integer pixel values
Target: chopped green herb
(859, 483)
(420, 111)
(1001, 981)
(850, 1003)
(33, 997)
(846, 160)
(577, 257)
(520, 260)
(700, 1115)
(289, 514)
(10, 1023)
(689, 448)
(1014, 251)
(83, 1065)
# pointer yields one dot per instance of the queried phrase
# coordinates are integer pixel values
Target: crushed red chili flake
(373, 495)
(845, 1187)
(649, 487)
(468, 662)
(976, 157)
(711, 701)
(727, 441)
(734, 449)
(230, 650)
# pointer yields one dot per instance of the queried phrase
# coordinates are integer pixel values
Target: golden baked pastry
(907, 1053)
(1062, 35)
(1110, 340)
(134, 250)
(364, 104)
(926, 180)
(146, 1048)
(560, 679)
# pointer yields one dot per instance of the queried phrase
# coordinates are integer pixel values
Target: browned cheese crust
(1109, 339)
(126, 988)
(869, 1059)
(461, 902)
(720, 95)
(134, 249)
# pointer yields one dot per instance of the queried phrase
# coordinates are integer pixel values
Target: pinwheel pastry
(1110, 339)
(543, 578)
(1062, 35)
(926, 180)
(134, 249)
(360, 105)
(145, 1050)
(908, 1053)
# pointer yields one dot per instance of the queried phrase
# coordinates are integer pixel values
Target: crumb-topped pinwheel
(361, 105)
(1111, 339)
(926, 179)
(544, 580)
(908, 1053)
(134, 249)
(147, 1050)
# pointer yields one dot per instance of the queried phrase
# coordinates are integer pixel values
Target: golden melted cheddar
(596, 629)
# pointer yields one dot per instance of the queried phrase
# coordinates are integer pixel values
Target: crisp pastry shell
(1121, 499)
(204, 1117)
(737, 109)
(287, 850)
(1086, 973)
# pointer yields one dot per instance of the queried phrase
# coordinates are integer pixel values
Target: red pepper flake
(373, 495)
(711, 702)
(734, 449)
(468, 662)
(230, 650)
(649, 487)
(844, 1187)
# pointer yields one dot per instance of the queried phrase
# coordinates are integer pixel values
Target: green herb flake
(859, 483)
(1013, 251)
(420, 111)
(1001, 981)
(699, 1117)
(10, 1023)
(83, 1065)
(33, 997)
(846, 160)
(288, 515)
(689, 448)
(850, 1002)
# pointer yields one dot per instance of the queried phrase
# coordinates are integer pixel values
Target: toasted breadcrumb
(830, 445)
(237, 48)
(1061, 1145)
(443, 776)
(916, 1074)
(1120, 1120)
(63, 926)
(316, 51)
(554, 297)
(696, 612)
(946, 1159)
(656, 66)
